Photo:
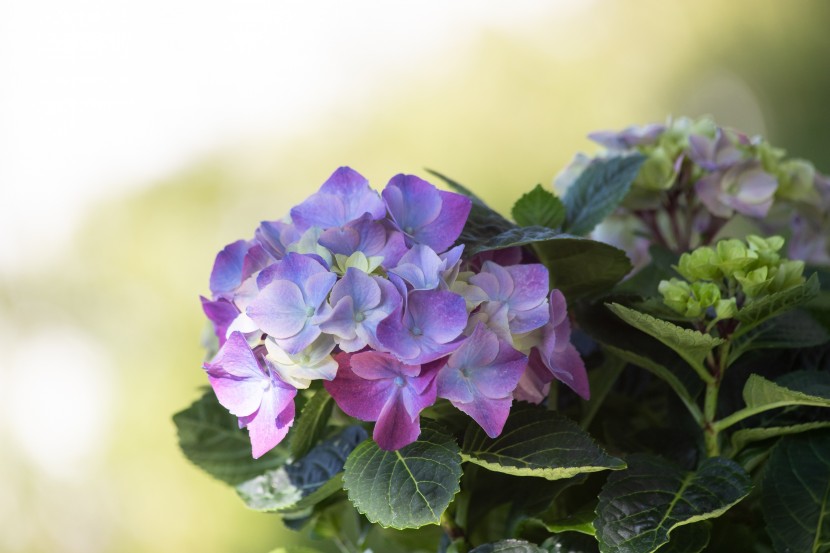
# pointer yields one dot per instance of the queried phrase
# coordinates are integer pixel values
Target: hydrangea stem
(711, 430)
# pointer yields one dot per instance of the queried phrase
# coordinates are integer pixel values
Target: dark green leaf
(599, 190)
(581, 267)
(539, 207)
(690, 538)
(537, 442)
(518, 236)
(311, 423)
(639, 508)
(482, 224)
(794, 329)
(306, 481)
(508, 546)
(580, 522)
(749, 435)
(691, 345)
(661, 372)
(768, 307)
(570, 542)
(795, 494)
(211, 438)
(407, 488)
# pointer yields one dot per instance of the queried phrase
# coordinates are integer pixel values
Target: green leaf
(311, 423)
(768, 307)
(539, 207)
(598, 191)
(210, 438)
(690, 538)
(517, 236)
(749, 435)
(691, 345)
(537, 442)
(639, 508)
(508, 546)
(762, 393)
(662, 373)
(795, 493)
(582, 267)
(570, 542)
(408, 488)
(794, 329)
(579, 522)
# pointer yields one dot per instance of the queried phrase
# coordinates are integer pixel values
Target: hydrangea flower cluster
(697, 176)
(368, 293)
(718, 281)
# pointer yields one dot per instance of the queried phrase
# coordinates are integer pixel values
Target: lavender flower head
(363, 296)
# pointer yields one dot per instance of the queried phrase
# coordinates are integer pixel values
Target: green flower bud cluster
(721, 279)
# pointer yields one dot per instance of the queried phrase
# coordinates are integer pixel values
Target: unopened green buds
(720, 280)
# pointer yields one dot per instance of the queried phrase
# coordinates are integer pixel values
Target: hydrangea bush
(640, 363)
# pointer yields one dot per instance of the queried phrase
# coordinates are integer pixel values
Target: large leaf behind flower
(598, 191)
(795, 497)
(639, 508)
(211, 438)
(537, 442)
(408, 488)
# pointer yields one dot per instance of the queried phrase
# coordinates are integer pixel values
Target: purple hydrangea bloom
(276, 236)
(744, 187)
(221, 313)
(246, 387)
(373, 386)
(517, 297)
(365, 235)
(557, 353)
(714, 154)
(359, 302)
(292, 300)
(344, 197)
(234, 264)
(421, 267)
(479, 378)
(628, 137)
(425, 214)
(428, 328)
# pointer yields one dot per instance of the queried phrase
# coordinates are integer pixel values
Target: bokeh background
(138, 138)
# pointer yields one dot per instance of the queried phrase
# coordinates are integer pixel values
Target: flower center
(416, 331)
(408, 230)
(309, 311)
(359, 317)
(304, 359)
(466, 372)
(399, 382)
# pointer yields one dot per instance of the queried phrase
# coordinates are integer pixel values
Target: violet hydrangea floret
(291, 302)
(428, 328)
(517, 296)
(425, 214)
(479, 378)
(359, 303)
(344, 197)
(246, 386)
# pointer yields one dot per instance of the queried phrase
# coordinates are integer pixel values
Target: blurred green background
(102, 347)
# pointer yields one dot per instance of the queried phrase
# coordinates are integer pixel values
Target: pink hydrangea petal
(395, 428)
